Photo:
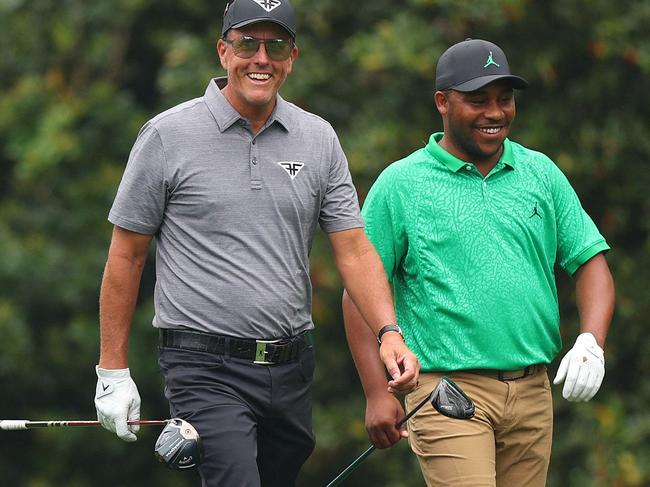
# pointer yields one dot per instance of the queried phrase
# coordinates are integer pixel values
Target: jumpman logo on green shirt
(535, 213)
(490, 60)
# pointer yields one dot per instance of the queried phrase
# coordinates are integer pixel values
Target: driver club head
(450, 400)
(179, 445)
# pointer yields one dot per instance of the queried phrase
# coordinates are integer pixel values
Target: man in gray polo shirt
(232, 186)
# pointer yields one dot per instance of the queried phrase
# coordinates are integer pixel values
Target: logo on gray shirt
(292, 168)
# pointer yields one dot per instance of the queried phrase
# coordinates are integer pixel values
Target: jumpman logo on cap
(490, 60)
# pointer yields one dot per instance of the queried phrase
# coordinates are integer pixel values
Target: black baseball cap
(239, 13)
(472, 64)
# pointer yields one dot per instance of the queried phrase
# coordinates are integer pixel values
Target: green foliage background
(78, 79)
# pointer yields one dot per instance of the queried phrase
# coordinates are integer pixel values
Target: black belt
(264, 352)
(507, 375)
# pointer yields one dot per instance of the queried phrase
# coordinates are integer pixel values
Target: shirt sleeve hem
(598, 247)
(339, 226)
(132, 226)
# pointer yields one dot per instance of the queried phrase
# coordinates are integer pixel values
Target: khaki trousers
(506, 444)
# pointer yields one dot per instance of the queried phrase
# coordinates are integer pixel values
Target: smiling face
(477, 122)
(254, 83)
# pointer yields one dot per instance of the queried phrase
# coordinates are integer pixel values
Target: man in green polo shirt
(469, 229)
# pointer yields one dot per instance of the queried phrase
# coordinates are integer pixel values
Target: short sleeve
(140, 201)
(383, 224)
(578, 237)
(340, 204)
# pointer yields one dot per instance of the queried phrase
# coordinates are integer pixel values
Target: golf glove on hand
(582, 369)
(117, 401)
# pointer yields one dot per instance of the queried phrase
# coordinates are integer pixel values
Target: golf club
(178, 446)
(447, 398)
(25, 424)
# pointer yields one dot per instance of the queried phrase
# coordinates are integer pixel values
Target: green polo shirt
(471, 258)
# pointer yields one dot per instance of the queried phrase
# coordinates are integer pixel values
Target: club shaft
(401, 422)
(24, 424)
(345, 473)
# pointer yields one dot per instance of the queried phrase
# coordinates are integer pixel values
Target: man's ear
(292, 58)
(220, 47)
(442, 102)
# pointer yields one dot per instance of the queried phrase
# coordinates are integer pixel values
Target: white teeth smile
(491, 130)
(259, 76)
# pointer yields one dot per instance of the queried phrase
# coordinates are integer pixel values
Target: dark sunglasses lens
(278, 49)
(246, 47)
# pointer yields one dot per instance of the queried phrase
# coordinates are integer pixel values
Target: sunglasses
(277, 49)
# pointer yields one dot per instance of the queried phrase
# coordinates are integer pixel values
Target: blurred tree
(77, 81)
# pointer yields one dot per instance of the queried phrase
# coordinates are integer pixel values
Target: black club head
(449, 400)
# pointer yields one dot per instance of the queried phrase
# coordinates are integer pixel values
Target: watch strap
(388, 328)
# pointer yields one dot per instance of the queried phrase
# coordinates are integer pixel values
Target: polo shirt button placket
(256, 177)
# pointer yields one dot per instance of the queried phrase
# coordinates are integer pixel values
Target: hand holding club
(117, 401)
(402, 364)
(383, 413)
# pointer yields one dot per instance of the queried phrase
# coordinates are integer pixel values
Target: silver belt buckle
(260, 352)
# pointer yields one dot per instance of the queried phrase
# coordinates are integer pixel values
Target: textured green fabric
(472, 259)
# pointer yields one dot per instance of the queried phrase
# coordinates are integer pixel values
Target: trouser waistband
(508, 375)
(263, 352)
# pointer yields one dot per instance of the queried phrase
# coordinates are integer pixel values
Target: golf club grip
(13, 424)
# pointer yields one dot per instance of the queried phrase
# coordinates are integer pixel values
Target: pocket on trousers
(174, 362)
(307, 364)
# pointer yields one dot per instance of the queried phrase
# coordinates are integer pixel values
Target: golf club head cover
(179, 445)
(582, 369)
(449, 400)
(117, 401)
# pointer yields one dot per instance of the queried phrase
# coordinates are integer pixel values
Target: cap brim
(263, 19)
(476, 83)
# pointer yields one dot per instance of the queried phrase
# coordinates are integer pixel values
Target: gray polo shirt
(234, 214)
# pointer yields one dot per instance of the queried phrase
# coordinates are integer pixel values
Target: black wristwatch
(386, 329)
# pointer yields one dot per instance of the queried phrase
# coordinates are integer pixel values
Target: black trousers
(254, 420)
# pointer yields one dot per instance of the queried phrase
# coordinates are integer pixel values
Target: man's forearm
(117, 301)
(595, 296)
(119, 294)
(383, 410)
(364, 348)
(365, 281)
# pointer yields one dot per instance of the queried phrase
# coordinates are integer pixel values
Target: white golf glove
(117, 401)
(583, 367)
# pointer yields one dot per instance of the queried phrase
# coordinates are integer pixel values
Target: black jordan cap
(472, 64)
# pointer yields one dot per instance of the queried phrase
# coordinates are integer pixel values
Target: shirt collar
(454, 163)
(225, 115)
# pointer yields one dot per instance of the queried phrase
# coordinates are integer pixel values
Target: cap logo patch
(268, 5)
(292, 168)
(490, 61)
